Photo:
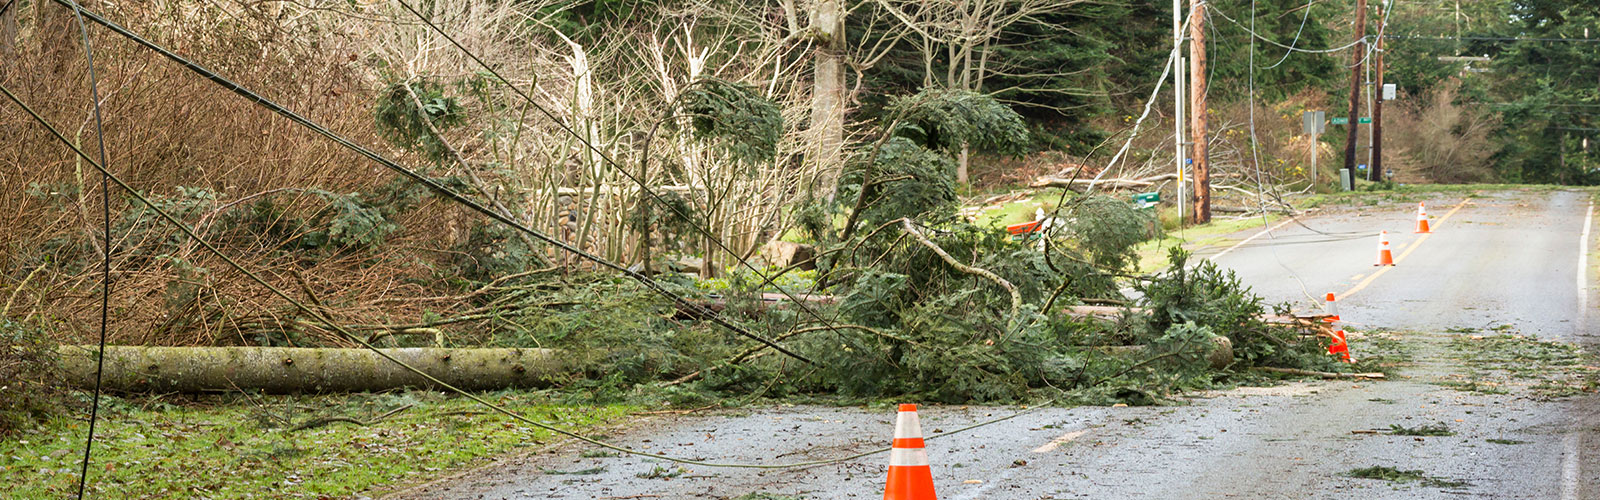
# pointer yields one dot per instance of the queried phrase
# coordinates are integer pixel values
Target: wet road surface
(1502, 258)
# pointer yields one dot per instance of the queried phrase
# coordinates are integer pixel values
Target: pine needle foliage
(906, 180)
(1213, 298)
(947, 119)
(404, 124)
(1106, 229)
(734, 118)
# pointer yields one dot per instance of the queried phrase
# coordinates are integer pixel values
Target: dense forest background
(746, 123)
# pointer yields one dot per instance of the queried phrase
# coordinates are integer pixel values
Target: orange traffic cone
(910, 478)
(1422, 219)
(1339, 347)
(1331, 308)
(1385, 258)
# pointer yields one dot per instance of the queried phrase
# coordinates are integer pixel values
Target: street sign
(1146, 200)
(1364, 119)
(1340, 120)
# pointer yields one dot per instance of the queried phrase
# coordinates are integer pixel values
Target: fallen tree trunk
(1219, 357)
(1081, 184)
(1329, 375)
(1313, 323)
(1250, 210)
(767, 301)
(1107, 184)
(288, 369)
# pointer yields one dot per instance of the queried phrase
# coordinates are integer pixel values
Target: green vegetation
(28, 387)
(1435, 429)
(1547, 369)
(240, 446)
(1394, 475)
(1505, 441)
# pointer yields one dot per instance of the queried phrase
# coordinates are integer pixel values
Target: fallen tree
(289, 369)
(1107, 184)
(1316, 324)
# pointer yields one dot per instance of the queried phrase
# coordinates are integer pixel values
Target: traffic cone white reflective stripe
(910, 477)
(908, 450)
(1331, 308)
(1422, 219)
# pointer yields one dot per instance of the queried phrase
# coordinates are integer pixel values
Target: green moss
(231, 448)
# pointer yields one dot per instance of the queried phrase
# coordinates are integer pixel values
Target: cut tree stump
(291, 370)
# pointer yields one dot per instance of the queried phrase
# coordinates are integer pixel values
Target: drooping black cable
(643, 186)
(105, 261)
(7, 7)
(431, 184)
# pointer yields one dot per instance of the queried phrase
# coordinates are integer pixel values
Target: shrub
(29, 389)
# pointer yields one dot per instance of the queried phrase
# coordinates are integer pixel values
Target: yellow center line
(1411, 248)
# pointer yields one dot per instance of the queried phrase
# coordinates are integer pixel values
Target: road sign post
(1314, 123)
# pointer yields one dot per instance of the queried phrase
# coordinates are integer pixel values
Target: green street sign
(1340, 120)
(1146, 200)
(1364, 120)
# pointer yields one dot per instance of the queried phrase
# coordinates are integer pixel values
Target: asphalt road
(1504, 258)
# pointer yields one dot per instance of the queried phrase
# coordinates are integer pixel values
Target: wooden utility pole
(1357, 56)
(1197, 111)
(1377, 102)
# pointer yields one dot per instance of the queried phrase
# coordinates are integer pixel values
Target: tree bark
(289, 369)
(827, 96)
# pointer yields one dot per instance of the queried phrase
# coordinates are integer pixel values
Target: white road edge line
(1219, 255)
(1570, 467)
(1583, 263)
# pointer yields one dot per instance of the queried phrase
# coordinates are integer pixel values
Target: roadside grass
(1394, 475)
(1153, 253)
(1415, 192)
(235, 446)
